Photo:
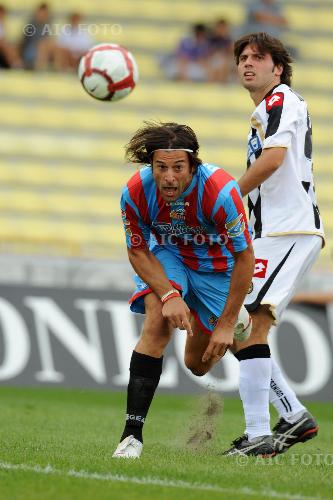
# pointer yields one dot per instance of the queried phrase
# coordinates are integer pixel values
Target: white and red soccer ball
(108, 72)
(243, 326)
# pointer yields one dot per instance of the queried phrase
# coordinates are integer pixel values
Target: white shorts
(281, 262)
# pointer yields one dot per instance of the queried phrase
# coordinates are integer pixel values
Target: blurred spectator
(191, 60)
(38, 47)
(73, 42)
(265, 15)
(221, 60)
(9, 56)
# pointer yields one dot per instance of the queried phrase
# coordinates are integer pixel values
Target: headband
(173, 149)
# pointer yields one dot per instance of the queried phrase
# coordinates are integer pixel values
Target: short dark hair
(158, 135)
(267, 44)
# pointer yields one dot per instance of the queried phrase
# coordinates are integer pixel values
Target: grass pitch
(57, 444)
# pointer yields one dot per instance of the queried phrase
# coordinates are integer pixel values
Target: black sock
(145, 372)
(253, 351)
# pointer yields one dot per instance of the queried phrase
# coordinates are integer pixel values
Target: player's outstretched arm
(223, 335)
(150, 270)
(264, 166)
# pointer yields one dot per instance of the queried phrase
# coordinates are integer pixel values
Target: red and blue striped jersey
(204, 227)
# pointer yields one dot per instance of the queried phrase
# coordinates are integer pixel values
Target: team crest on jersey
(274, 100)
(260, 268)
(177, 213)
(236, 227)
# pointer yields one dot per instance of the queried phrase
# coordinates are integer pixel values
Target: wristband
(170, 295)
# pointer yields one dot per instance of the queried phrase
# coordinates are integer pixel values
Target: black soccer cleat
(261, 446)
(286, 434)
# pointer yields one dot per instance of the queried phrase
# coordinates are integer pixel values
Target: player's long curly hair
(267, 44)
(158, 135)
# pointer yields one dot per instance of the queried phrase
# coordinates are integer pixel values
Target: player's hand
(221, 339)
(178, 314)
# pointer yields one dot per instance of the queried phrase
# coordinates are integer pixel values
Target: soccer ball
(108, 72)
(243, 326)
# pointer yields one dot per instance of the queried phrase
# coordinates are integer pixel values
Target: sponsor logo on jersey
(274, 100)
(254, 147)
(126, 222)
(236, 227)
(178, 230)
(254, 144)
(178, 203)
(260, 268)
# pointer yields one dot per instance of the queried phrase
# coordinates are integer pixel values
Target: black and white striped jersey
(285, 203)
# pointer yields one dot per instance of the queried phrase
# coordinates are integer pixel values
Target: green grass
(78, 430)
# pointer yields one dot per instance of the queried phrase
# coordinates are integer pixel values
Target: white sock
(254, 380)
(283, 397)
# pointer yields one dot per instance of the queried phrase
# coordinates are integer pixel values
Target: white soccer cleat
(243, 326)
(128, 448)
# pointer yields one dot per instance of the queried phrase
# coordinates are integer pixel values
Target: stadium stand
(62, 153)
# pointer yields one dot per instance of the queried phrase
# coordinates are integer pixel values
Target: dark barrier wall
(79, 338)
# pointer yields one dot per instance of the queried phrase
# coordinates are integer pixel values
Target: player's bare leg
(145, 372)
(195, 347)
(156, 331)
(197, 344)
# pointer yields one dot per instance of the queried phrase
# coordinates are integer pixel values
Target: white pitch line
(153, 481)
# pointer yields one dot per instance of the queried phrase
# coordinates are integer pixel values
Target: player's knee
(153, 315)
(262, 321)
(156, 323)
(156, 333)
(154, 339)
(199, 370)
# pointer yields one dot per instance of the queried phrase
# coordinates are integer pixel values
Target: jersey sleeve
(281, 115)
(137, 233)
(230, 218)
